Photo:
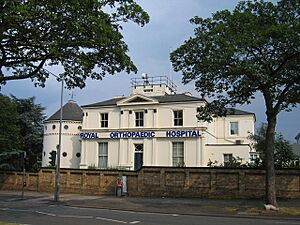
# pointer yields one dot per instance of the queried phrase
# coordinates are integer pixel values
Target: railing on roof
(153, 80)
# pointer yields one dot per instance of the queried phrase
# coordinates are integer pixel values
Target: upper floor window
(234, 128)
(104, 119)
(178, 118)
(139, 119)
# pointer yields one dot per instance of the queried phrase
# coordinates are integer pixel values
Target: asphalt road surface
(45, 213)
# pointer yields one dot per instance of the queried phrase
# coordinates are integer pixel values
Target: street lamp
(57, 171)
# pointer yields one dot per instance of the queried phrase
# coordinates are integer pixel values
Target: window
(178, 118)
(103, 155)
(53, 127)
(79, 127)
(178, 156)
(104, 119)
(64, 154)
(139, 119)
(227, 159)
(234, 128)
(138, 156)
(138, 147)
(78, 154)
(253, 156)
(66, 127)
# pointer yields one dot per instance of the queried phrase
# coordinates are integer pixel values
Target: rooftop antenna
(145, 78)
(171, 71)
(72, 95)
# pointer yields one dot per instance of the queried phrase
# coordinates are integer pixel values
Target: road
(44, 212)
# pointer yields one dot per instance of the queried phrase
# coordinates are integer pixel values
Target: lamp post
(57, 170)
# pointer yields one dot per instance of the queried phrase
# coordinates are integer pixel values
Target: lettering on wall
(88, 135)
(143, 134)
(183, 133)
(133, 134)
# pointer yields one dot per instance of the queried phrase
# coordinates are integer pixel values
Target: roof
(177, 98)
(160, 99)
(70, 111)
(232, 111)
(109, 102)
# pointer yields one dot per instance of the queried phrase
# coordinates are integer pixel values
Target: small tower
(71, 126)
(152, 86)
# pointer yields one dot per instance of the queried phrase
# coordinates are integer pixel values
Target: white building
(154, 127)
(71, 127)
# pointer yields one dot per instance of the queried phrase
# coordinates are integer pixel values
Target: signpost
(24, 175)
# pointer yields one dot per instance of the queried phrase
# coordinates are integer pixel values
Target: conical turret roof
(70, 111)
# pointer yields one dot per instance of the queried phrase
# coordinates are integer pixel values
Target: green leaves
(283, 150)
(21, 129)
(254, 48)
(82, 36)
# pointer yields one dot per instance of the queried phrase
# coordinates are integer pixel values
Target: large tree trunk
(270, 168)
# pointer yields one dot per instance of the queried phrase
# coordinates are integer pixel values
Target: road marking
(283, 222)
(134, 222)
(75, 216)
(15, 210)
(120, 210)
(47, 214)
(175, 215)
(110, 220)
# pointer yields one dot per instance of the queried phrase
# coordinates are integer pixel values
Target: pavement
(289, 209)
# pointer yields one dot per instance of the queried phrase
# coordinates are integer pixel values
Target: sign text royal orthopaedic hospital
(142, 134)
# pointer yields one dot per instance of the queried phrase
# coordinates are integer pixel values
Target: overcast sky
(149, 49)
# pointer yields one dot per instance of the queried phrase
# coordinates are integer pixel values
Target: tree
(21, 130)
(234, 55)
(10, 139)
(30, 122)
(82, 36)
(283, 150)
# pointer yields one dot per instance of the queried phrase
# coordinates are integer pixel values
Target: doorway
(138, 156)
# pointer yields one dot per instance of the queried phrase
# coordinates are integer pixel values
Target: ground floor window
(254, 156)
(227, 159)
(103, 155)
(178, 153)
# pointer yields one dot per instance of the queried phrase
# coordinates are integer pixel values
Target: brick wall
(158, 181)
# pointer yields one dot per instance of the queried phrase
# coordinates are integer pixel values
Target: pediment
(137, 100)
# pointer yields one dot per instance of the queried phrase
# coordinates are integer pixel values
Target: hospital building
(154, 126)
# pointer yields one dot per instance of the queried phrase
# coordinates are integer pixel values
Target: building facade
(154, 126)
(71, 145)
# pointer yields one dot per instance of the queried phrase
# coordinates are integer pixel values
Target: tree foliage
(283, 150)
(235, 54)
(82, 36)
(21, 131)
(9, 129)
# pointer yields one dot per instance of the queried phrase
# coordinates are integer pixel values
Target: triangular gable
(137, 100)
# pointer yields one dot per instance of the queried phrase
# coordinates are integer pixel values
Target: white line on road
(283, 222)
(135, 222)
(15, 210)
(44, 213)
(120, 210)
(75, 216)
(110, 220)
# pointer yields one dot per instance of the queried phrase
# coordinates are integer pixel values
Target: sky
(149, 47)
